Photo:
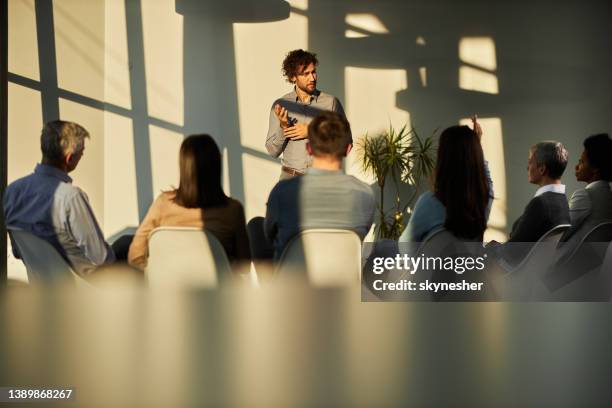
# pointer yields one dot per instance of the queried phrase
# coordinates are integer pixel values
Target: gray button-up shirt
(294, 151)
(47, 205)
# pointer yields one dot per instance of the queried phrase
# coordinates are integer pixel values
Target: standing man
(325, 197)
(291, 114)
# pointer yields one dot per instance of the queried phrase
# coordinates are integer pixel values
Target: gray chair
(581, 276)
(44, 265)
(442, 244)
(322, 257)
(518, 282)
(186, 257)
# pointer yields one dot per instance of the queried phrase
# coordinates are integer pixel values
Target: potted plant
(403, 157)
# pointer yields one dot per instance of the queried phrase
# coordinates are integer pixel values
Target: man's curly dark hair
(297, 60)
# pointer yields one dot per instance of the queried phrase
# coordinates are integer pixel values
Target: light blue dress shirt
(46, 204)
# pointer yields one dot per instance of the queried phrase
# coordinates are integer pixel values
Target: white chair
(44, 265)
(323, 257)
(182, 256)
(519, 281)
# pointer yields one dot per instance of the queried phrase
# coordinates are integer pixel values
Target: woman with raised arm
(462, 189)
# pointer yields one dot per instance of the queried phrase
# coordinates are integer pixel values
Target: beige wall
(166, 68)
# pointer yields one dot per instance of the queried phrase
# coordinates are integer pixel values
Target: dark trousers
(121, 247)
(261, 248)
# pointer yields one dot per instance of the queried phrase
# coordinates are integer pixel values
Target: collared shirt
(553, 188)
(319, 199)
(294, 151)
(47, 205)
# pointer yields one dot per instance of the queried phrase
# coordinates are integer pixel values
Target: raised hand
(476, 126)
(282, 115)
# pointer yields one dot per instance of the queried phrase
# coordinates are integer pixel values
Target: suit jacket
(589, 207)
(541, 214)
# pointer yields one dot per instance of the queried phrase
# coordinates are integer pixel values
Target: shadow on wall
(211, 97)
(550, 67)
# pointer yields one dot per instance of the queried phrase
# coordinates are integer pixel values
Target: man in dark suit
(547, 209)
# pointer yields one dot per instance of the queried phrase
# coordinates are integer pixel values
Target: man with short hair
(291, 114)
(46, 204)
(548, 208)
(325, 197)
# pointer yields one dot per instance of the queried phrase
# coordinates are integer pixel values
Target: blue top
(46, 204)
(429, 214)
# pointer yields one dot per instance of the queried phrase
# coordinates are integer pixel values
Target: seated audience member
(325, 197)
(48, 205)
(463, 191)
(591, 205)
(548, 208)
(199, 201)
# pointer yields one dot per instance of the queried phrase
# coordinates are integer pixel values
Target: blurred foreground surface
(295, 346)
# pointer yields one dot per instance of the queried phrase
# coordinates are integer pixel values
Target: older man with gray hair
(549, 207)
(48, 205)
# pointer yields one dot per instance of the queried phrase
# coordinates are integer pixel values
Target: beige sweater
(226, 223)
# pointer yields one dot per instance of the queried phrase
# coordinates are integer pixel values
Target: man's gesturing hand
(282, 115)
(298, 131)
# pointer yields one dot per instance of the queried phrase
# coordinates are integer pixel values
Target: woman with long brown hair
(463, 191)
(199, 201)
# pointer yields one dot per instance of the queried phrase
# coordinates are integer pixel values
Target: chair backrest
(442, 244)
(582, 275)
(43, 263)
(600, 233)
(521, 279)
(324, 257)
(182, 256)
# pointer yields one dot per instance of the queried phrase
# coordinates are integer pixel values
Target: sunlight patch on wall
(120, 187)
(259, 176)
(88, 173)
(478, 51)
(371, 105)
(493, 147)
(22, 42)
(365, 23)
(165, 146)
(116, 62)
(472, 79)
(478, 75)
(163, 54)
(299, 4)
(79, 42)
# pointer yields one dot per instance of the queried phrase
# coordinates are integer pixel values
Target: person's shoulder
(288, 97)
(17, 185)
(324, 96)
(234, 205)
(357, 184)
(427, 199)
(579, 194)
(550, 196)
